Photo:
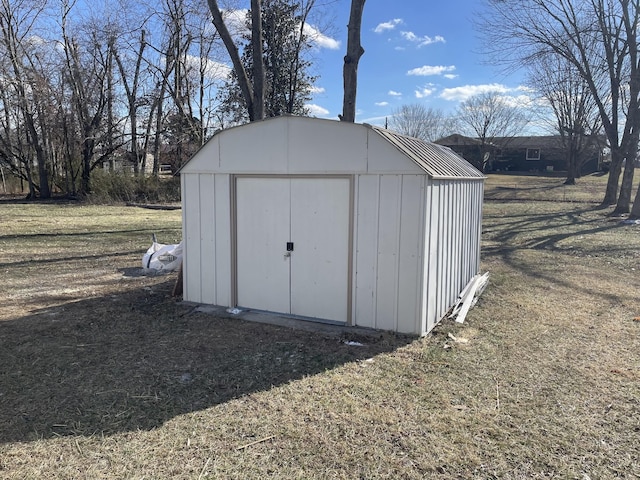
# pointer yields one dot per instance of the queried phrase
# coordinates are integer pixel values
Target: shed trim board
(243, 286)
(410, 212)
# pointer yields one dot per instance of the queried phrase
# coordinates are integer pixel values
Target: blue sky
(416, 51)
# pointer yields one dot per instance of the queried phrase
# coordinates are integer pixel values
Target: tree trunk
(571, 167)
(611, 193)
(43, 173)
(156, 139)
(624, 200)
(351, 59)
(232, 49)
(258, 61)
(635, 209)
(32, 188)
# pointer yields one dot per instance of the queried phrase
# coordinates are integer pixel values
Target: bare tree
(21, 77)
(252, 88)
(351, 60)
(426, 123)
(594, 36)
(131, 83)
(577, 119)
(488, 116)
(86, 73)
(286, 49)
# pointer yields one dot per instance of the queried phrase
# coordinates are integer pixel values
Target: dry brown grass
(105, 376)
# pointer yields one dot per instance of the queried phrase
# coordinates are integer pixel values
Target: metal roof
(438, 161)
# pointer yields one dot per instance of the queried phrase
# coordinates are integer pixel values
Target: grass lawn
(103, 375)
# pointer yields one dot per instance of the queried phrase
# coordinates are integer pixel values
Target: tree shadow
(134, 360)
(513, 233)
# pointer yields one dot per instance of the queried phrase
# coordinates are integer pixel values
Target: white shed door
(312, 216)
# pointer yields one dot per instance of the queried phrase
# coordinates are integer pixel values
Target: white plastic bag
(162, 257)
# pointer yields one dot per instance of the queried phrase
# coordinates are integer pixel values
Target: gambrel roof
(304, 145)
(438, 161)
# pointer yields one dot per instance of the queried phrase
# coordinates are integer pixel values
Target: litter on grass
(161, 257)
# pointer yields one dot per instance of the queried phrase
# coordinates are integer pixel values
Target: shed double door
(293, 245)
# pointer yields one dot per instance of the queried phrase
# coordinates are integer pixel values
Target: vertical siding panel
(426, 307)
(452, 247)
(469, 242)
(223, 226)
(185, 202)
(462, 226)
(207, 239)
(191, 239)
(478, 232)
(455, 243)
(433, 265)
(455, 220)
(367, 195)
(472, 219)
(410, 258)
(473, 226)
(471, 207)
(388, 240)
(443, 247)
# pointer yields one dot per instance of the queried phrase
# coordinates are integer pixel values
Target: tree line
(133, 85)
(583, 55)
(582, 62)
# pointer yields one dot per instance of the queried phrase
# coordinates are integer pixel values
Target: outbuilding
(330, 221)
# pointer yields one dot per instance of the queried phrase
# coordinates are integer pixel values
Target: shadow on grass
(515, 233)
(546, 230)
(135, 360)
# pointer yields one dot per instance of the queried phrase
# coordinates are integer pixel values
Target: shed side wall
(206, 224)
(388, 246)
(452, 243)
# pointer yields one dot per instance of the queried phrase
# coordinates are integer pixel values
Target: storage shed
(330, 221)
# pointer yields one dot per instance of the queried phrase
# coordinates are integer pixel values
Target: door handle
(287, 255)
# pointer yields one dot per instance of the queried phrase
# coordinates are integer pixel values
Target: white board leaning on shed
(331, 221)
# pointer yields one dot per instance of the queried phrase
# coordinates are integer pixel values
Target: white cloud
(394, 93)
(212, 70)
(461, 94)
(316, 110)
(450, 76)
(320, 39)
(422, 41)
(424, 92)
(236, 21)
(390, 25)
(428, 70)
(381, 104)
(315, 89)
(36, 41)
(522, 101)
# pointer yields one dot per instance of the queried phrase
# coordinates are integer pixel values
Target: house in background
(523, 154)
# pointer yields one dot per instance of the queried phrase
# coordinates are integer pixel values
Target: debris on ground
(469, 297)
(160, 256)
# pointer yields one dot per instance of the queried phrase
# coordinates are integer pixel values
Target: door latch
(289, 246)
